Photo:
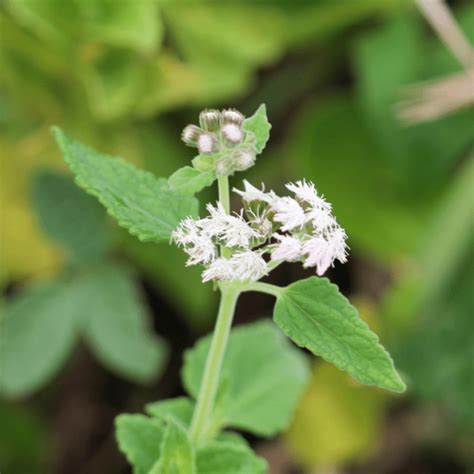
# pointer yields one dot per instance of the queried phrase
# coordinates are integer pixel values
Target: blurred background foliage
(125, 77)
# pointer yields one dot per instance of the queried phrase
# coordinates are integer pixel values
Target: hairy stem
(212, 370)
(224, 199)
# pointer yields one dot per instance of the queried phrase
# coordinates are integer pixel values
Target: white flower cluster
(305, 230)
(201, 239)
(221, 134)
(300, 228)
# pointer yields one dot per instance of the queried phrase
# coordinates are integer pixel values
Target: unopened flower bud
(191, 135)
(224, 166)
(232, 116)
(244, 159)
(232, 133)
(207, 143)
(210, 120)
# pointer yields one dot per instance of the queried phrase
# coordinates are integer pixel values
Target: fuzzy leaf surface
(139, 438)
(189, 180)
(262, 378)
(259, 125)
(177, 454)
(315, 315)
(138, 200)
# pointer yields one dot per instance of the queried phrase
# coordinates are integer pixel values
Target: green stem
(224, 199)
(212, 370)
(265, 288)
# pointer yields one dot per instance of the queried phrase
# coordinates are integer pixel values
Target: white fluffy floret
(251, 193)
(306, 192)
(321, 252)
(198, 246)
(233, 230)
(242, 266)
(288, 248)
(289, 213)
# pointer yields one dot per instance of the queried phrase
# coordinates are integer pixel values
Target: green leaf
(138, 200)
(38, 329)
(181, 409)
(316, 316)
(188, 180)
(139, 438)
(128, 23)
(204, 163)
(217, 457)
(262, 378)
(259, 125)
(69, 216)
(118, 326)
(183, 289)
(177, 454)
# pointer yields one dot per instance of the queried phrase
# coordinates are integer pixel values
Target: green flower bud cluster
(223, 143)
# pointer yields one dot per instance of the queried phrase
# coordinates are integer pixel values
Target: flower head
(289, 213)
(288, 248)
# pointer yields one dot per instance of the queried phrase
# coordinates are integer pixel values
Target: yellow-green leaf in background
(337, 421)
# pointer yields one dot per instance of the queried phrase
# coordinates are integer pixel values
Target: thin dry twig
(431, 100)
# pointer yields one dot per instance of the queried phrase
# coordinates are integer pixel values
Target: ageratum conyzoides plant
(248, 378)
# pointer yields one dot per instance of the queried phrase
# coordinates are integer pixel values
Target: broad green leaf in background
(218, 457)
(37, 333)
(259, 125)
(316, 316)
(262, 377)
(189, 180)
(239, 34)
(331, 146)
(140, 202)
(336, 422)
(127, 23)
(69, 216)
(139, 438)
(436, 354)
(116, 324)
(177, 454)
(195, 302)
(181, 409)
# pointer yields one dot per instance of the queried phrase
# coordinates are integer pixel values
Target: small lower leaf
(177, 454)
(315, 315)
(139, 438)
(181, 409)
